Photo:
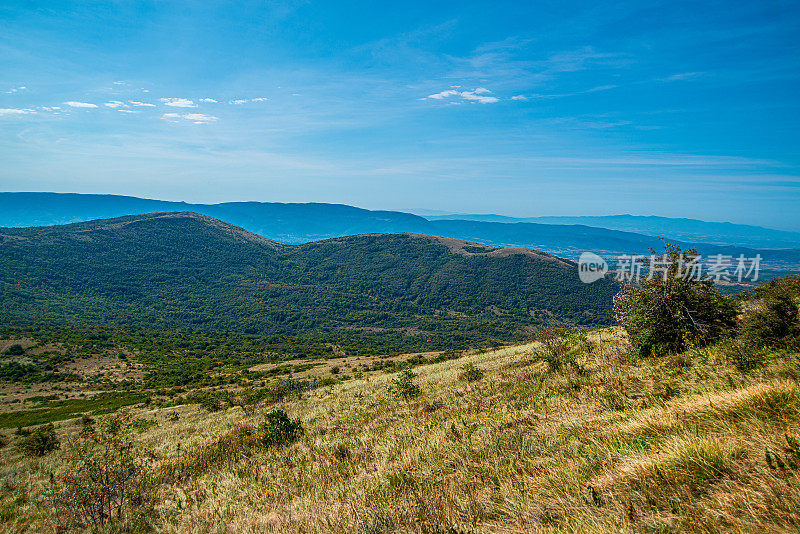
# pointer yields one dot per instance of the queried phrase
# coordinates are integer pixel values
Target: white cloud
(141, 104)
(80, 104)
(444, 94)
(128, 111)
(5, 112)
(246, 100)
(479, 95)
(519, 97)
(208, 101)
(179, 102)
(15, 89)
(115, 104)
(197, 118)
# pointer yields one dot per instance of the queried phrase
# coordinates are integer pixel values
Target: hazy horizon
(654, 108)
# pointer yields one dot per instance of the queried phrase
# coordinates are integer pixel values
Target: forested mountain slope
(190, 272)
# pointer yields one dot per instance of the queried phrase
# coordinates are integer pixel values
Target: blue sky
(682, 109)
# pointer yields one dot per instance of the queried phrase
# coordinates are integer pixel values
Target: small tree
(104, 479)
(672, 310)
(40, 441)
(403, 385)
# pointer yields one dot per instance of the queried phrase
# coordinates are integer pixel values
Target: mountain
(688, 230)
(569, 241)
(186, 271)
(302, 223)
(288, 223)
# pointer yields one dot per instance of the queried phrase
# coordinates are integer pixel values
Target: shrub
(341, 452)
(403, 385)
(773, 318)
(211, 403)
(106, 478)
(86, 421)
(671, 311)
(560, 346)
(746, 356)
(40, 442)
(327, 381)
(470, 373)
(278, 429)
(15, 350)
(555, 346)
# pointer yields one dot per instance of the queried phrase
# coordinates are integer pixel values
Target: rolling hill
(186, 271)
(303, 223)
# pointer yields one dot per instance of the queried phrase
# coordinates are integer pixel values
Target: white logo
(591, 267)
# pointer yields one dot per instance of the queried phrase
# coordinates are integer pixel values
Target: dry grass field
(603, 442)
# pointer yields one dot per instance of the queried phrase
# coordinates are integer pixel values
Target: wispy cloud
(247, 100)
(115, 104)
(5, 112)
(179, 102)
(15, 90)
(141, 104)
(682, 76)
(197, 118)
(74, 104)
(536, 96)
(208, 101)
(480, 95)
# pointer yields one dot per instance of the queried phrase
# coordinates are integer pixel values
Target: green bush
(40, 441)
(403, 385)
(278, 429)
(211, 403)
(15, 350)
(471, 373)
(746, 356)
(772, 318)
(670, 313)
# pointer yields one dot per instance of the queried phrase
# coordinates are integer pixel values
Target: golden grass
(621, 445)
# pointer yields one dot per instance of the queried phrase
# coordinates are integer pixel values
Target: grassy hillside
(605, 442)
(184, 271)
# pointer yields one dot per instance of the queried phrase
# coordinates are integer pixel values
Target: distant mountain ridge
(288, 223)
(303, 223)
(186, 271)
(714, 233)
